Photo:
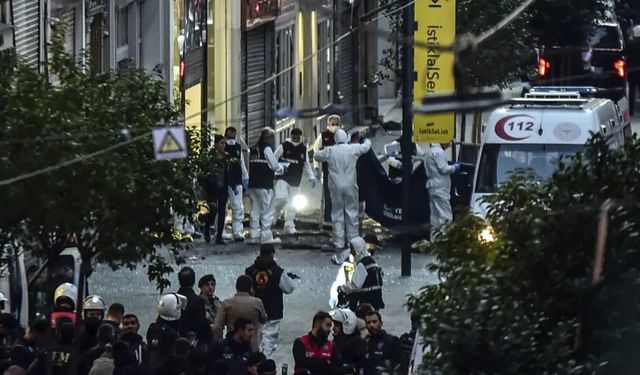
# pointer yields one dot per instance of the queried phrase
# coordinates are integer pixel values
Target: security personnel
(366, 284)
(64, 302)
(293, 152)
(314, 351)
(324, 140)
(270, 283)
(263, 165)
(384, 351)
(162, 334)
(395, 160)
(238, 178)
(94, 307)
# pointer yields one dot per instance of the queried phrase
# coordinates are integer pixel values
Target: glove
(318, 174)
(313, 182)
(292, 276)
(399, 164)
(333, 302)
(457, 166)
(245, 183)
(341, 289)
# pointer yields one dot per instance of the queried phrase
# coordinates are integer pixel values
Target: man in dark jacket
(236, 348)
(58, 355)
(193, 318)
(106, 336)
(25, 349)
(130, 335)
(270, 282)
(346, 336)
(384, 351)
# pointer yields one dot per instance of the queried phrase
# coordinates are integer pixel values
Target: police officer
(94, 307)
(238, 178)
(64, 303)
(314, 351)
(366, 283)
(58, 356)
(270, 282)
(234, 350)
(384, 351)
(324, 140)
(293, 152)
(162, 334)
(346, 336)
(263, 165)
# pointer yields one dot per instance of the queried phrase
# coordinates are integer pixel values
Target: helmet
(170, 306)
(347, 318)
(94, 302)
(3, 298)
(67, 290)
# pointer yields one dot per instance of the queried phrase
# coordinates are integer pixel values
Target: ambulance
(534, 132)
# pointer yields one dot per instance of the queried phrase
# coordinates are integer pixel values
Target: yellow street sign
(435, 25)
(169, 144)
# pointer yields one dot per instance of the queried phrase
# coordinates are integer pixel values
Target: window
(5, 15)
(122, 26)
(499, 161)
(284, 91)
(606, 37)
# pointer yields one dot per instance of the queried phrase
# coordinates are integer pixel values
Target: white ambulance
(535, 131)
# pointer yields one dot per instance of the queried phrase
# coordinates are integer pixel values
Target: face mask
(231, 142)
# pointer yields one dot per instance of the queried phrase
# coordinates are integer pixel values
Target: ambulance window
(499, 162)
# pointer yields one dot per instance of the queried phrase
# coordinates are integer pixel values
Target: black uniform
(397, 172)
(384, 351)
(232, 353)
(297, 157)
(353, 349)
(328, 139)
(58, 357)
(194, 318)
(372, 288)
(217, 193)
(234, 153)
(161, 336)
(266, 275)
(261, 176)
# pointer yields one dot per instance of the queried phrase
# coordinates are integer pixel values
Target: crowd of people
(197, 333)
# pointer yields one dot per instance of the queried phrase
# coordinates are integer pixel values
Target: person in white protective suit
(360, 280)
(324, 140)
(293, 152)
(238, 179)
(263, 165)
(439, 186)
(341, 161)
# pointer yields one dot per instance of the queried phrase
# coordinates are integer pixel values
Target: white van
(535, 131)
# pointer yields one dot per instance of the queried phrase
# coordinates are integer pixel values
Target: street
(132, 289)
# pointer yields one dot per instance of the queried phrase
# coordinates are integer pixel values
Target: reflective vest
(296, 156)
(261, 176)
(314, 351)
(266, 284)
(235, 169)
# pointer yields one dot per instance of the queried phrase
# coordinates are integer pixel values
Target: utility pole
(408, 29)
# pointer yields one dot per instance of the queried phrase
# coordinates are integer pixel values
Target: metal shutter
(254, 72)
(26, 19)
(346, 59)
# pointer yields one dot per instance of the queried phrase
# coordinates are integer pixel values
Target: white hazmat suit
(352, 274)
(343, 185)
(439, 187)
(261, 215)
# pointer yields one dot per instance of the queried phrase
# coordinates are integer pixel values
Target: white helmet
(94, 302)
(170, 306)
(3, 298)
(66, 290)
(348, 319)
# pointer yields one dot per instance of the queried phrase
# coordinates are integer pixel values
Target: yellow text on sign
(436, 25)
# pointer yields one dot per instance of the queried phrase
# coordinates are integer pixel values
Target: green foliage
(525, 303)
(509, 55)
(119, 206)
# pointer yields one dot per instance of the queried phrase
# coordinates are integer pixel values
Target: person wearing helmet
(324, 140)
(346, 337)
(163, 333)
(263, 166)
(64, 303)
(94, 307)
(342, 159)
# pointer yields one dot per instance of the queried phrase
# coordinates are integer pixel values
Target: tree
(509, 55)
(117, 207)
(525, 303)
